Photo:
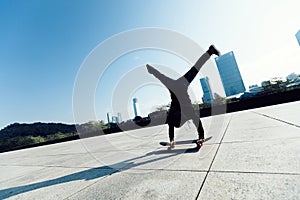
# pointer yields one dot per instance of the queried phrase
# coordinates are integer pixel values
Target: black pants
(177, 119)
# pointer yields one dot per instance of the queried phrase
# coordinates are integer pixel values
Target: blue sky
(43, 44)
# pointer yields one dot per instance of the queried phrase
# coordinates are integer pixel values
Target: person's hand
(150, 69)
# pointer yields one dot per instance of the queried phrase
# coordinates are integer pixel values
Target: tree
(219, 100)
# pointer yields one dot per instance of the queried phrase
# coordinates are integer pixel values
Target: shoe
(150, 69)
(212, 50)
(200, 143)
(172, 144)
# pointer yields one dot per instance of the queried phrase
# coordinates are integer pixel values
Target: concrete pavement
(253, 154)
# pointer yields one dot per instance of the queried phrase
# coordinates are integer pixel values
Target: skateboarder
(181, 109)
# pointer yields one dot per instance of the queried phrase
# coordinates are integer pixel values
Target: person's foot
(212, 50)
(172, 144)
(200, 143)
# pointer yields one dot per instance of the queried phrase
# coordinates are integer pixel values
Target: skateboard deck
(183, 142)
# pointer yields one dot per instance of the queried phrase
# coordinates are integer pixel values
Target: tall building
(230, 74)
(298, 36)
(207, 93)
(136, 109)
(114, 118)
(108, 117)
(119, 117)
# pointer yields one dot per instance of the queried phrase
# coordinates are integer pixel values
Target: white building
(292, 76)
(254, 89)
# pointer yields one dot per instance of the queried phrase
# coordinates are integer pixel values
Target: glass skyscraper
(298, 36)
(136, 108)
(230, 74)
(207, 93)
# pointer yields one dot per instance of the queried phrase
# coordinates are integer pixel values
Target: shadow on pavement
(95, 173)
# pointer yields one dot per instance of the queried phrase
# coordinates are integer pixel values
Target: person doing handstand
(181, 109)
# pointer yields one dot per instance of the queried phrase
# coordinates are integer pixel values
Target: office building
(108, 118)
(114, 119)
(230, 74)
(136, 109)
(119, 117)
(298, 36)
(207, 93)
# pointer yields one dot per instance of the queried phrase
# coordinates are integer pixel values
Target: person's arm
(164, 79)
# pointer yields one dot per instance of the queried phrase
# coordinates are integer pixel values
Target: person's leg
(197, 122)
(191, 74)
(200, 130)
(171, 133)
(171, 119)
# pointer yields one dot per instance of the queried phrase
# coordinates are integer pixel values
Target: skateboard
(184, 142)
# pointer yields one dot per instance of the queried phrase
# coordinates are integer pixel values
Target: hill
(17, 135)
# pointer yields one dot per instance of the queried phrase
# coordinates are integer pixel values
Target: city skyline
(110, 118)
(43, 45)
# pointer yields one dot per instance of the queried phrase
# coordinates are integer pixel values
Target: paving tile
(250, 186)
(179, 158)
(150, 185)
(276, 156)
(15, 171)
(249, 120)
(288, 112)
(261, 134)
(51, 183)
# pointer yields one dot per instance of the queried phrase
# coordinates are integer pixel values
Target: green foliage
(14, 142)
(37, 139)
(219, 100)
(18, 135)
(91, 126)
(58, 135)
(35, 129)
